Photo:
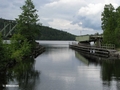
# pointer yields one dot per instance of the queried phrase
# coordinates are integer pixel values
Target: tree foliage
(23, 42)
(117, 30)
(48, 33)
(4, 54)
(111, 25)
(20, 47)
(27, 21)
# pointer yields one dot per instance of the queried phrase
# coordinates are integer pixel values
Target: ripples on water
(61, 68)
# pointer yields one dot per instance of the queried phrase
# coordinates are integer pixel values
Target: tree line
(44, 32)
(48, 33)
(111, 25)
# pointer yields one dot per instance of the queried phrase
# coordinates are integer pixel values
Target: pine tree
(27, 21)
(23, 41)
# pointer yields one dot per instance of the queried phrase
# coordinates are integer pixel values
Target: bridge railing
(108, 46)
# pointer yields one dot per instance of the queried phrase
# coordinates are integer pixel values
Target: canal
(61, 68)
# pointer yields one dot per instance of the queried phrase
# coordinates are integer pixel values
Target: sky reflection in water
(61, 70)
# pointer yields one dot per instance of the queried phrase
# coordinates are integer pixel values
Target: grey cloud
(18, 4)
(41, 3)
(88, 22)
(10, 9)
(70, 13)
(45, 21)
(59, 11)
(4, 4)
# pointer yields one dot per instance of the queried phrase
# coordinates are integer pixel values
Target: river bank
(38, 50)
(9, 63)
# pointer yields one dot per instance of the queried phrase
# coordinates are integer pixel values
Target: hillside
(47, 33)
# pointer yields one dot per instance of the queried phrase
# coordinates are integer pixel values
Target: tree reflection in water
(110, 72)
(3, 79)
(110, 69)
(22, 74)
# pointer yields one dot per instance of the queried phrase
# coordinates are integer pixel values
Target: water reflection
(87, 58)
(110, 73)
(23, 74)
(3, 79)
(62, 68)
(110, 69)
(82, 58)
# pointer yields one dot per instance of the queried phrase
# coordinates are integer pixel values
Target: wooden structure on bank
(97, 49)
(86, 39)
(93, 50)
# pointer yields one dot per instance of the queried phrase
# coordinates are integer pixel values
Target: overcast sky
(78, 17)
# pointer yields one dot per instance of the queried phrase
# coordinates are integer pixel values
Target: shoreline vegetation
(22, 43)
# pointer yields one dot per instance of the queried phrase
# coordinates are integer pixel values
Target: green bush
(20, 47)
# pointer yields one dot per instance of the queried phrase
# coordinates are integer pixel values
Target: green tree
(20, 47)
(3, 54)
(27, 21)
(1, 48)
(109, 24)
(117, 30)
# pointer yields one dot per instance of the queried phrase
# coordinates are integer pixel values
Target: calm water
(61, 68)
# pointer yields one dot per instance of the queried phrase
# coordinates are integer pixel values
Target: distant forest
(46, 33)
